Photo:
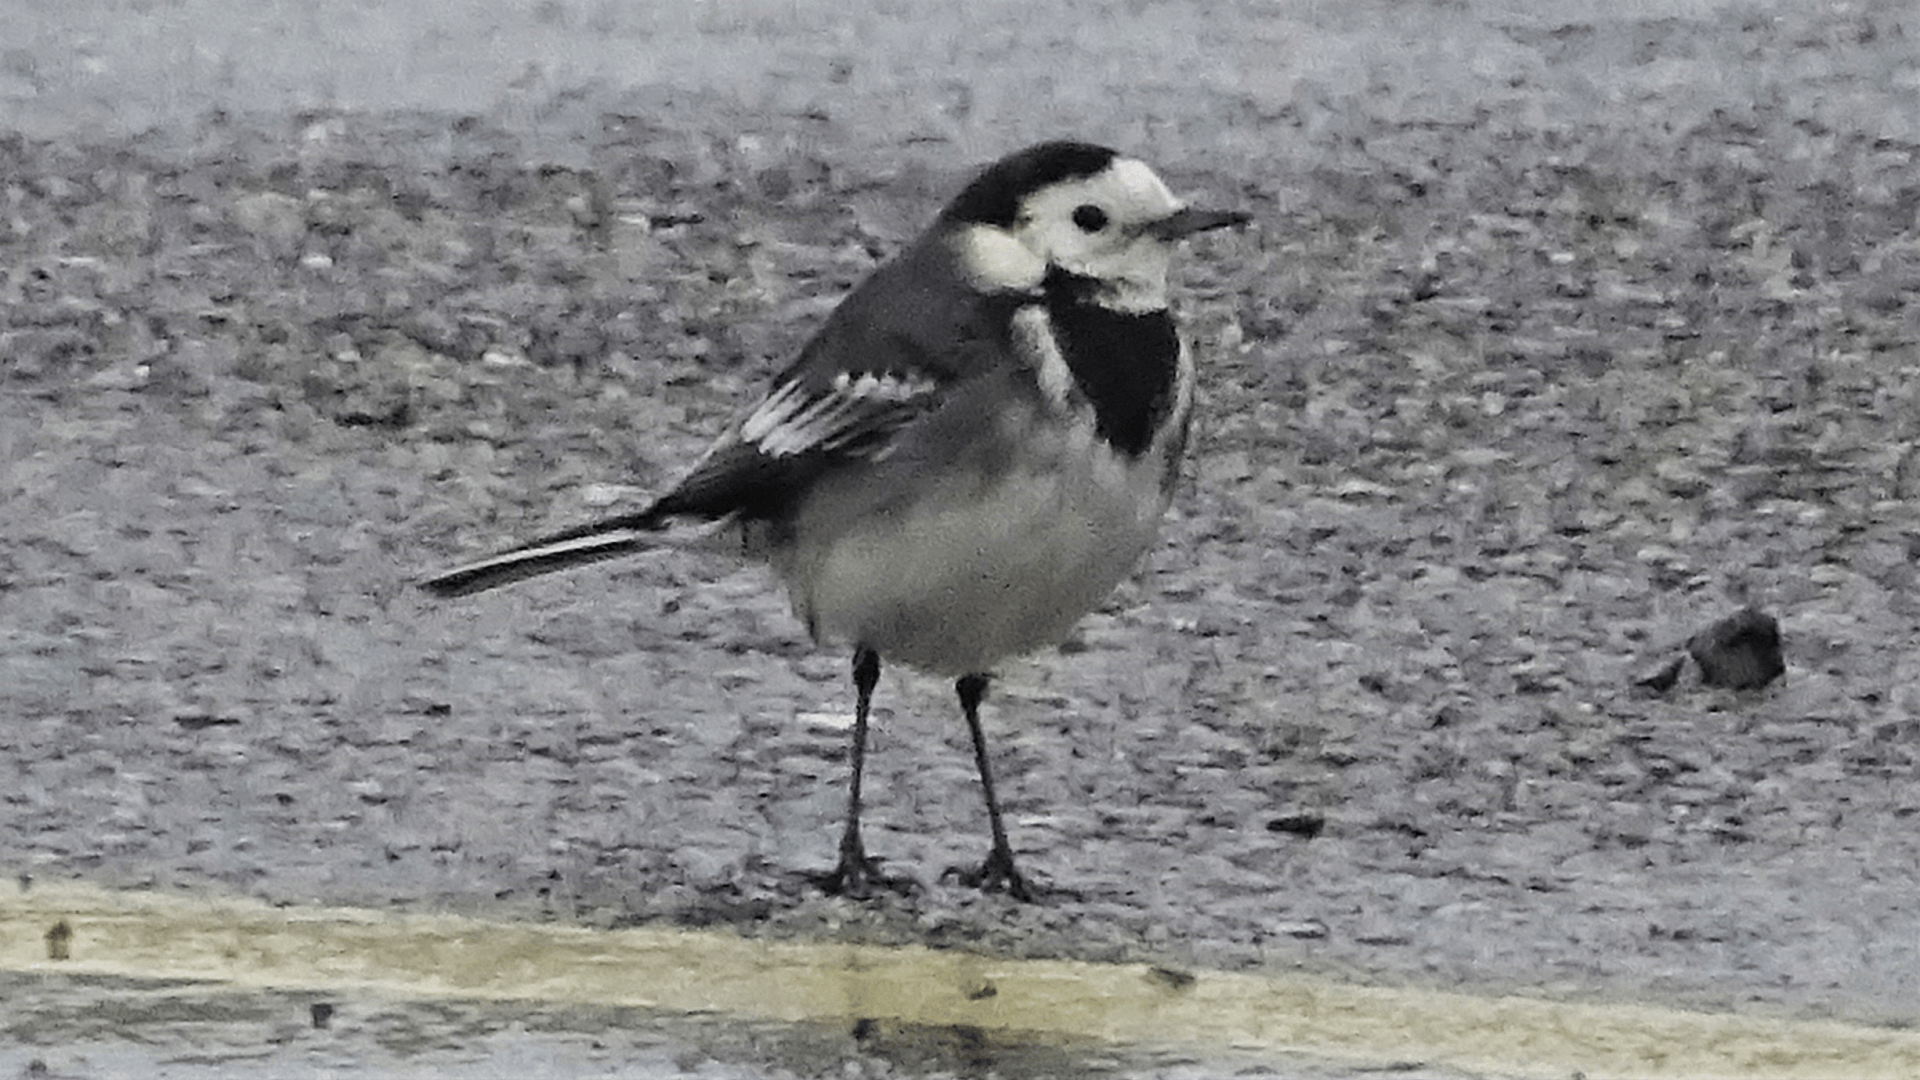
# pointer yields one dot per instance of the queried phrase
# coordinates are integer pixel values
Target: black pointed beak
(1187, 220)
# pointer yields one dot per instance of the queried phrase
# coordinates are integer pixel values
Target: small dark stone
(322, 1013)
(1740, 652)
(1305, 824)
(1171, 978)
(59, 941)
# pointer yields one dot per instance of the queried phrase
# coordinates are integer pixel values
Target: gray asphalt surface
(1560, 337)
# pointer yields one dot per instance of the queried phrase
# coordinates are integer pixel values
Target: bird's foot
(858, 875)
(998, 874)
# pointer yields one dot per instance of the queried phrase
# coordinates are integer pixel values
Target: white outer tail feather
(539, 559)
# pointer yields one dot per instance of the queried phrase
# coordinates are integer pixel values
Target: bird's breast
(994, 554)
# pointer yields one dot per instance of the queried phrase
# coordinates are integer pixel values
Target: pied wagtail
(969, 455)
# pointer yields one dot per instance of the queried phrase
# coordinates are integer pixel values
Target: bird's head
(1076, 208)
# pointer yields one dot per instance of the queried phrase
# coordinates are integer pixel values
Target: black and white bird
(976, 447)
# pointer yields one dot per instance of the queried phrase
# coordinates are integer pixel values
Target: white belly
(990, 563)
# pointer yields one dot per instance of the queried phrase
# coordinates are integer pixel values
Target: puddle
(925, 1010)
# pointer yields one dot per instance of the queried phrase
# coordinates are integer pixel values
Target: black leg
(857, 871)
(998, 871)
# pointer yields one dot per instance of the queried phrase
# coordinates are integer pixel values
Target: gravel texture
(1558, 339)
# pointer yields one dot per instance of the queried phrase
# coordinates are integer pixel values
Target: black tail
(601, 540)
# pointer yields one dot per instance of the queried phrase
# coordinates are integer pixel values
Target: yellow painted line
(252, 945)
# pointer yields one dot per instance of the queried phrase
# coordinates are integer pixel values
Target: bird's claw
(997, 874)
(859, 876)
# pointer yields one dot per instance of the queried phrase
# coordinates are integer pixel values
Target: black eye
(1089, 217)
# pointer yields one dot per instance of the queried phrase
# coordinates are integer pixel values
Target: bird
(970, 453)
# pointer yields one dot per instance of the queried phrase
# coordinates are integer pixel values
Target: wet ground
(1558, 338)
(212, 983)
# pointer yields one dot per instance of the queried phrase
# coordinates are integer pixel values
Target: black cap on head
(994, 196)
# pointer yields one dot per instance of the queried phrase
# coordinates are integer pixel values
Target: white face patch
(996, 260)
(1099, 227)
(1143, 195)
